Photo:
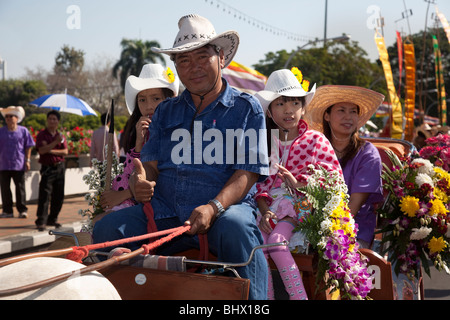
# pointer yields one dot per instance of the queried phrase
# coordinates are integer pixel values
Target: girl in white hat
(284, 101)
(142, 95)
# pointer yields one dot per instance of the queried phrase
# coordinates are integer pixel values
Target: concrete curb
(28, 240)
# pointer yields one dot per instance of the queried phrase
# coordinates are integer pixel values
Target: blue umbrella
(64, 103)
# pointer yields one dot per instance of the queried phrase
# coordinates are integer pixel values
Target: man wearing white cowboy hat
(211, 196)
(15, 151)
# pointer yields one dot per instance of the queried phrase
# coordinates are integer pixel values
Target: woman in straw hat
(339, 112)
(15, 151)
(142, 96)
(284, 100)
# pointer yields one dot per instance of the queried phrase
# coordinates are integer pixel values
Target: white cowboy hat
(367, 100)
(283, 83)
(15, 111)
(151, 76)
(195, 32)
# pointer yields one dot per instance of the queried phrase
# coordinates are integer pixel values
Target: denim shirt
(197, 156)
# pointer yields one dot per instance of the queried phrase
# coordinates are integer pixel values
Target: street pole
(325, 26)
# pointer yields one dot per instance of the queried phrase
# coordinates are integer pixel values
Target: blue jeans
(232, 237)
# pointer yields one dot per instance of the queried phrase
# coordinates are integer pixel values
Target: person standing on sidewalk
(100, 139)
(52, 147)
(16, 143)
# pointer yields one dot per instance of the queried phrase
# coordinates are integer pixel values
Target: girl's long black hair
(128, 137)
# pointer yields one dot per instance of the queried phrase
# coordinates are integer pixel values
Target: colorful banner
(444, 22)
(400, 61)
(397, 112)
(244, 78)
(440, 85)
(410, 89)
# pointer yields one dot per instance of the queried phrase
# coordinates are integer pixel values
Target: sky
(33, 31)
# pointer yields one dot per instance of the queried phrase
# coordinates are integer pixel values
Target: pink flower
(445, 156)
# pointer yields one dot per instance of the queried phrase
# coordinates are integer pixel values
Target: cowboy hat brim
(227, 41)
(19, 112)
(266, 97)
(134, 85)
(367, 100)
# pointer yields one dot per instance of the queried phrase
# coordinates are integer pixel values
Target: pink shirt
(99, 140)
(310, 147)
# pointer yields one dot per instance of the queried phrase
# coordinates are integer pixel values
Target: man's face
(52, 122)
(11, 120)
(199, 69)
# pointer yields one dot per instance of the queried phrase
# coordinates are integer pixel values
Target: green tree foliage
(337, 63)
(68, 75)
(20, 92)
(69, 60)
(135, 53)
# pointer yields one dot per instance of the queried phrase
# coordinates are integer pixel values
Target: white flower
(325, 225)
(423, 178)
(427, 167)
(447, 234)
(419, 234)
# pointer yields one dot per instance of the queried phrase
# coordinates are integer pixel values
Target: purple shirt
(12, 148)
(362, 174)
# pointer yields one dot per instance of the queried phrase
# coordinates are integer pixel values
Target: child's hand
(288, 178)
(265, 223)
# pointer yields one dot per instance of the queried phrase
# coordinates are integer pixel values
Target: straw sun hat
(367, 100)
(19, 112)
(283, 83)
(195, 32)
(152, 76)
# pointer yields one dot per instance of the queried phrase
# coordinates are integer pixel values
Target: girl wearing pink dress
(284, 101)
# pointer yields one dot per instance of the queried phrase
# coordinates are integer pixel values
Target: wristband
(219, 207)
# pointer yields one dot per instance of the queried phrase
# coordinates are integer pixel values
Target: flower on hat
(169, 75)
(303, 82)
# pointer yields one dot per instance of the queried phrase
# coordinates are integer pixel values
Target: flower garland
(331, 231)
(95, 179)
(418, 215)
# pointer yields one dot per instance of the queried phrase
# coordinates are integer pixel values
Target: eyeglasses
(9, 116)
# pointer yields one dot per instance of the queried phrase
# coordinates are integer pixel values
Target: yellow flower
(437, 245)
(297, 73)
(305, 85)
(409, 206)
(440, 194)
(442, 174)
(169, 75)
(438, 208)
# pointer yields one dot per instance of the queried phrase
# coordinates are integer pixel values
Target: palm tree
(135, 53)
